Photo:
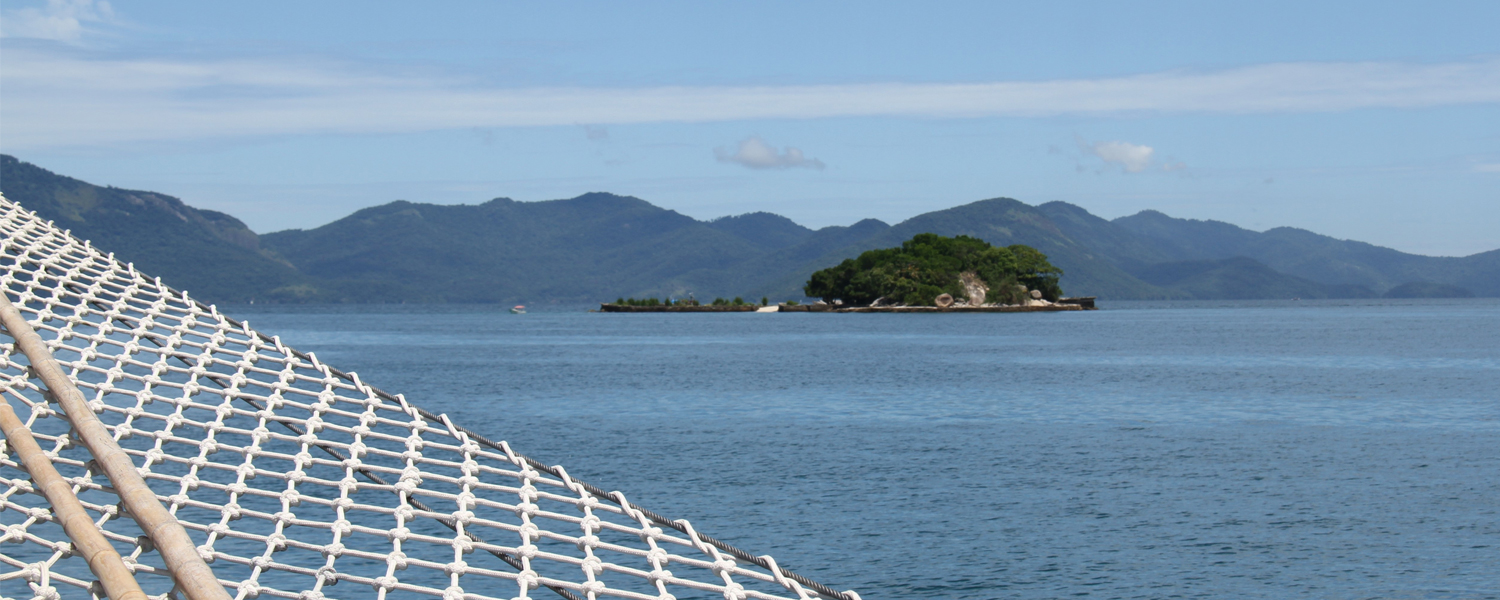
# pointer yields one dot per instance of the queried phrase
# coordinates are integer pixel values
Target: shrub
(643, 302)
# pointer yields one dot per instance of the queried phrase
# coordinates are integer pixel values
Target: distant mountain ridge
(159, 233)
(768, 230)
(1317, 257)
(505, 250)
(600, 246)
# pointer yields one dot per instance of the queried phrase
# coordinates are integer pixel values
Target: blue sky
(1362, 120)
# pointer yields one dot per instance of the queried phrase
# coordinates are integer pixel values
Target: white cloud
(61, 20)
(755, 153)
(1133, 158)
(1490, 168)
(68, 98)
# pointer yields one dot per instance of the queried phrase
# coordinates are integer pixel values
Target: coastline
(1062, 305)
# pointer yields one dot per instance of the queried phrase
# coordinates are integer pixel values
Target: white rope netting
(298, 480)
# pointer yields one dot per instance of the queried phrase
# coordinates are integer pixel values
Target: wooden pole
(119, 583)
(193, 577)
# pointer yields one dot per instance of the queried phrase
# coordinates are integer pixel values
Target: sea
(1277, 449)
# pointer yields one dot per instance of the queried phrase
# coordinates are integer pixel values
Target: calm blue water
(1237, 450)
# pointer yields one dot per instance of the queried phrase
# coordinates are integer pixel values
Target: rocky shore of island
(1063, 304)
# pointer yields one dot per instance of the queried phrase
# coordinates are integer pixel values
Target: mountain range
(599, 246)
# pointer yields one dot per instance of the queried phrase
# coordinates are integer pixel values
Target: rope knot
(466, 500)
(659, 576)
(527, 509)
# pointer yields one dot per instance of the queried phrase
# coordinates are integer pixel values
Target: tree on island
(930, 265)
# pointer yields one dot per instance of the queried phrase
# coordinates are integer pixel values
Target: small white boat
(518, 310)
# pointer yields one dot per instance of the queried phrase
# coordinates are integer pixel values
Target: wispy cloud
(1133, 158)
(597, 133)
(755, 153)
(60, 20)
(65, 98)
(1489, 168)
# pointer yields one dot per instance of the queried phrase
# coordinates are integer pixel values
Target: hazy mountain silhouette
(601, 246)
(1313, 256)
(211, 253)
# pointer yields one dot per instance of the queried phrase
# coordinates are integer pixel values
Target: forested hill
(1312, 256)
(600, 246)
(580, 249)
(210, 253)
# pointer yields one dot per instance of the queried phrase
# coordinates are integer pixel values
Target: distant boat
(518, 310)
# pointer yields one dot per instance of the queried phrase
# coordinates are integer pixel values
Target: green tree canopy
(929, 265)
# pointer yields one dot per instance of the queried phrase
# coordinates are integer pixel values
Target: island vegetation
(737, 301)
(926, 267)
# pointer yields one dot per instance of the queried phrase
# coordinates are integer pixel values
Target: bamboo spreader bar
(193, 577)
(119, 583)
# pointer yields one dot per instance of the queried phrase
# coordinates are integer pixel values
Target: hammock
(283, 476)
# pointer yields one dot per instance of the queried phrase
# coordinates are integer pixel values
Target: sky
(1374, 121)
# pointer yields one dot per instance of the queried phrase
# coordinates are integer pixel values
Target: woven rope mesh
(298, 480)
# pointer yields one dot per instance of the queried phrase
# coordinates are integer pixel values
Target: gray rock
(974, 287)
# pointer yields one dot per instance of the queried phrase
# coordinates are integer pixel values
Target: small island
(928, 273)
(933, 273)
